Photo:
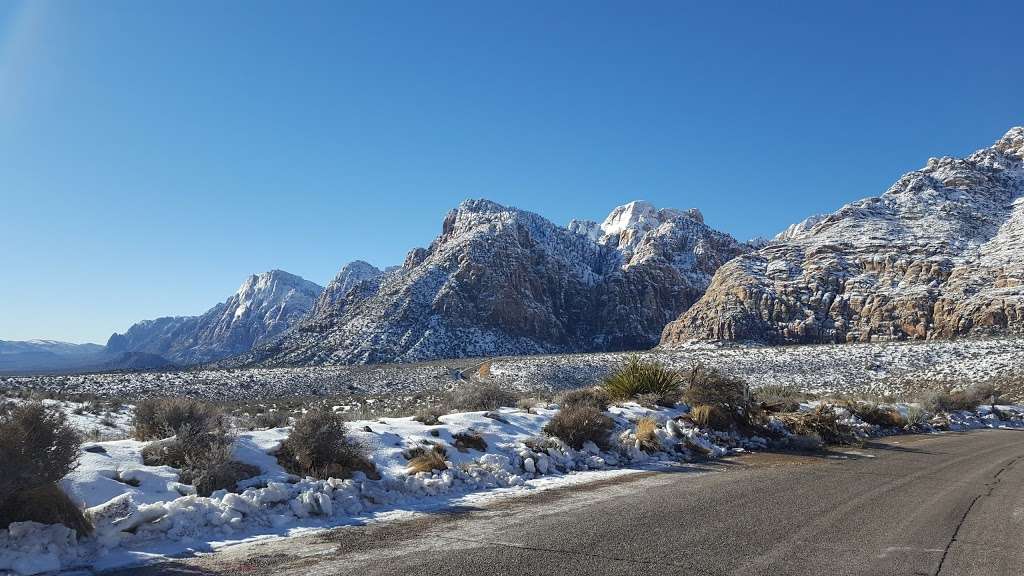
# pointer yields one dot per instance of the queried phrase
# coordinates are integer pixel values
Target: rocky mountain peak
(499, 280)
(263, 307)
(1012, 143)
(940, 254)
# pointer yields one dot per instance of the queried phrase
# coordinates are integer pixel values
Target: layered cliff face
(500, 281)
(939, 255)
(264, 306)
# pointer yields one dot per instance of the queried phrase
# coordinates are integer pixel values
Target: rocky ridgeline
(501, 281)
(939, 255)
(264, 306)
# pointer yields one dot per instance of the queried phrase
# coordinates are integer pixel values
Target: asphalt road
(938, 504)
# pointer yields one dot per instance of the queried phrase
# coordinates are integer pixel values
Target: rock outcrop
(939, 255)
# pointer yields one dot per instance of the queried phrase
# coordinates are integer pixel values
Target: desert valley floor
(894, 369)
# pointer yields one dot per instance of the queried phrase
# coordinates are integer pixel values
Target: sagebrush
(37, 449)
(577, 424)
(319, 446)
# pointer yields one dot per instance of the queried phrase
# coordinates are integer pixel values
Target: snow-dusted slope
(264, 306)
(504, 281)
(357, 274)
(940, 254)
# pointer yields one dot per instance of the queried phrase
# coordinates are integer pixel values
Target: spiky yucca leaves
(637, 376)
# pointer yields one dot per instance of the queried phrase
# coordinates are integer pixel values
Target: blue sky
(155, 154)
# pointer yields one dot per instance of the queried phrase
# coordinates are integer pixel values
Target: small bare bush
(429, 416)
(710, 387)
(950, 400)
(822, 421)
(875, 414)
(216, 469)
(160, 418)
(576, 424)
(779, 397)
(318, 446)
(271, 419)
(428, 460)
(46, 504)
(482, 396)
(37, 449)
(596, 397)
(465, 441)
(637, 376)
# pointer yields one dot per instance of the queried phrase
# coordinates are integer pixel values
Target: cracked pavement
(921, 505)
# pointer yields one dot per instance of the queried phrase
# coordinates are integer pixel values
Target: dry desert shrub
(37, 449)
(473, 397)
(577, 424)
(319, 446)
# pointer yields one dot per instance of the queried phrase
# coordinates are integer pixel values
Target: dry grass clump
(576, 424)
(427, 460)
(916, 415)
(164, 417)
(595, 397)
(465, 441)
(822, 421)
(484, 371)
(637, 376)
(429, 416)
(318, 446)
(37, 449)
(708, 416)
(645, 433)
(473, 397)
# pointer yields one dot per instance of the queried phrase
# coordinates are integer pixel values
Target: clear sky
(153, 154)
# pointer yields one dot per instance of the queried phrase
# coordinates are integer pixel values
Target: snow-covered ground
(895, 368)
(143, 512)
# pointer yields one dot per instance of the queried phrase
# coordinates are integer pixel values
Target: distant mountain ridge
(28, 355)
(263, 307)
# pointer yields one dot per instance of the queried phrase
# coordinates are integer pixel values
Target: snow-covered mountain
(264, 306)
(499, 280)
(939, 255)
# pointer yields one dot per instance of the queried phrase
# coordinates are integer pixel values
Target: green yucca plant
(637, 376)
